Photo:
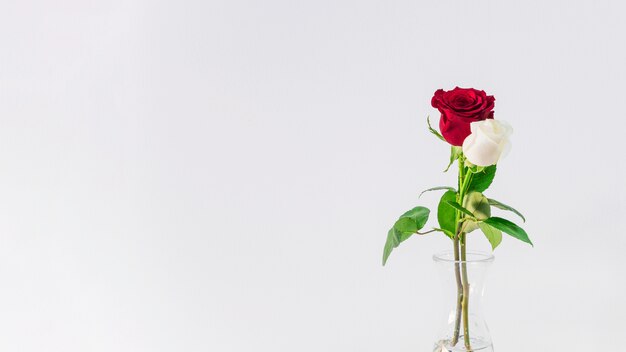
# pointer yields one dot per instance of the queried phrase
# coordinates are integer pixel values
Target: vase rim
(472, 257)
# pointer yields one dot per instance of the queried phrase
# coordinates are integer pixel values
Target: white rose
(488, 141)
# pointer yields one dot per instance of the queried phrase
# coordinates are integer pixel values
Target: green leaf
(503, 206)
(407, 225)
(446, 214)
(455, 152)
(477, 204)
(417, 214)
(392, 242)
(494, 236)
(482, 180)
(405, 235)
(458, 207)
(437, 189)
(510, 228)
(433, 131)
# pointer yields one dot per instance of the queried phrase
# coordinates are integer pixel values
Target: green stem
(462, 307)
(457, 269)
(466, 183)
(459, 293)
(466, 285)
(466, 289)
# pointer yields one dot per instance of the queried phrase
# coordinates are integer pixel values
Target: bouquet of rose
(477, 142)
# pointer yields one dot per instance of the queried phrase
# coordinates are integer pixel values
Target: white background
(221, 175)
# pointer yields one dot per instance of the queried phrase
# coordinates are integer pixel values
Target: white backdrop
(220, 176)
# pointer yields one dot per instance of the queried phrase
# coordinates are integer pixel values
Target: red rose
(459, 108)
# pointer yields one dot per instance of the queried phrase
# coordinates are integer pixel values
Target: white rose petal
(488, 142)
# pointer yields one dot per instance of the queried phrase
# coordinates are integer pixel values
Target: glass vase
(464, 328)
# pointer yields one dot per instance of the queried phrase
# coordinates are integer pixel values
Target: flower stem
(459, 290)
(466, 285)
(466, 291)
(457, 269)
(460, 271)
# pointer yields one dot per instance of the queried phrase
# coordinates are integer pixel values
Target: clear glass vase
(464, 328)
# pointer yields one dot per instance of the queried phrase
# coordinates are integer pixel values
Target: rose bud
(488, 141)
